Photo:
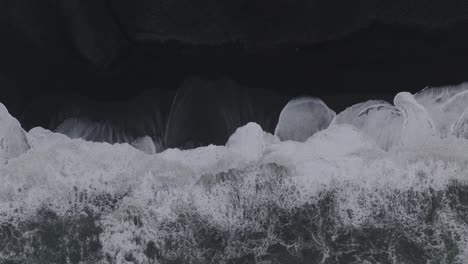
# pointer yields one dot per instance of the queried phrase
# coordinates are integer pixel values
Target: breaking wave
(376, 183)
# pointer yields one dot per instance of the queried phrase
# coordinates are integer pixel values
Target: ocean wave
(378, 183)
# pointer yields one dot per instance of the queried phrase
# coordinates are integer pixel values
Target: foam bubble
(302, 117)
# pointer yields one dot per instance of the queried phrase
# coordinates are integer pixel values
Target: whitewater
(378, 182)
